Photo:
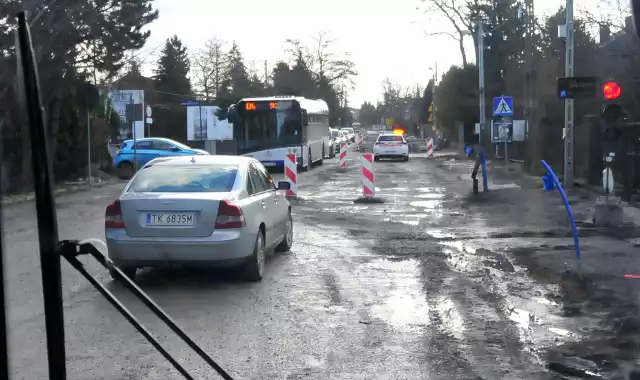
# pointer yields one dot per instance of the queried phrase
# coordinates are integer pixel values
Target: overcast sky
(384, 38)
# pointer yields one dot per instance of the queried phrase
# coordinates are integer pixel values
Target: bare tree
(611, 13)
(330, 66)
(461, 14)
(299, 53)
(209, 65)
(392, 90)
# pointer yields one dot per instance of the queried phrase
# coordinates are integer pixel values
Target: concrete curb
(9, 199)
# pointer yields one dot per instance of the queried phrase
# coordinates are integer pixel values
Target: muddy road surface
(431, 284)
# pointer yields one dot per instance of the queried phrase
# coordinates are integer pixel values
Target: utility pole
(89, 148)
(530, 111)
(568, 103)
(481, 79)
(266, 75)
(433, 95)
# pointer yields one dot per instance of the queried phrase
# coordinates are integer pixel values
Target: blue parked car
(149, 148)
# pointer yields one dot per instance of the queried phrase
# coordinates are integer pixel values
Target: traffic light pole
(568, 103)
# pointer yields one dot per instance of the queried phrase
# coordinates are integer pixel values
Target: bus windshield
(269, 129)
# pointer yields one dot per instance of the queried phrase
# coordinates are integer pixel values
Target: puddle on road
(439, 234)
(431, 196)
(403, 303)
(431, 189)
(426, 204)
(450, 317)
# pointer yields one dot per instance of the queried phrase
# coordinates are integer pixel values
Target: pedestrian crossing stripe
(503, 108)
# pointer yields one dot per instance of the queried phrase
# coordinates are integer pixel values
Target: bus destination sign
(267, 105)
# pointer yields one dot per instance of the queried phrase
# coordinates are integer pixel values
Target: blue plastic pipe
(576, 240)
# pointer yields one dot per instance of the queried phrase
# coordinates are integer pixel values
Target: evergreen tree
(173, 87)
(171, 72)
(238, 77)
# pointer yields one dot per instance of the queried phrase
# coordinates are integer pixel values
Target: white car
(344, 137)
(335, 140)
(390, 145)
(351, 135)
(199, 211)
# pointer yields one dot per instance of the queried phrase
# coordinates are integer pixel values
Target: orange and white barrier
(291, 174)
(368, 178)
(343, 156)
(429, 147)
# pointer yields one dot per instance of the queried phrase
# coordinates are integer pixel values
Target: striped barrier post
(343, 156)
(368, 178)
(429, 147)
(291, 174)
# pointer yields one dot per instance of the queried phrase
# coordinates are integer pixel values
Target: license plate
(389, 151)
(170, 219)
(269, 164)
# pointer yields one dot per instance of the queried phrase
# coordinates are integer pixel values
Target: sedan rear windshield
(185, 179)
(391, 138)
(335, 134)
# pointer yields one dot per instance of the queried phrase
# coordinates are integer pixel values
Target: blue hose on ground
(576, 240)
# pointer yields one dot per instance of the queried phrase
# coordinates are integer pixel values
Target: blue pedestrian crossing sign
(503, 106)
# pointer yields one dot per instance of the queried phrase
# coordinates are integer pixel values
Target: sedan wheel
(287, 243)
(254, 268)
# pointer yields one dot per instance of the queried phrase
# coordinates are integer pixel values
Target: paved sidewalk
(61, 189)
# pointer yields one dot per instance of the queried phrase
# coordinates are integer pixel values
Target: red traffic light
(611, 90)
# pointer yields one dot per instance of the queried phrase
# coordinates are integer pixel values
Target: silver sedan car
(199, 211)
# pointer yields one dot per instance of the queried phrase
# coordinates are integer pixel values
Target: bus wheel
(310, 162)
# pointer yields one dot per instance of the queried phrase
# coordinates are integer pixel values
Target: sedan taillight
(229, 216)
(113, 215)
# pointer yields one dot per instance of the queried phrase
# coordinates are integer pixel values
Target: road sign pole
(133, 130)
(506, 152)
(568, 103)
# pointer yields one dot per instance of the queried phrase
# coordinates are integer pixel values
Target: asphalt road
(428, 285)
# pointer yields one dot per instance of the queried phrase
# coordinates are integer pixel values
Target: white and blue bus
(268, 128)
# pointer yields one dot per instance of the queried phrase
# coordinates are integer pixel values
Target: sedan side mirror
(284, 185)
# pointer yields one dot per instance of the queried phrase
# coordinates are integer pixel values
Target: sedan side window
(161, 145)
(260, 184)
(143, 145)
(250, 188)
(266, 177)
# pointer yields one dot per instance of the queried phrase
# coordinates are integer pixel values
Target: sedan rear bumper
(390, 156)
(391, 153)
(222, 246)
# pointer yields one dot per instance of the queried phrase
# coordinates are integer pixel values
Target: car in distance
(351, 136)
(199, 211)
(389, 145)
(335, 140)
(147, 149)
